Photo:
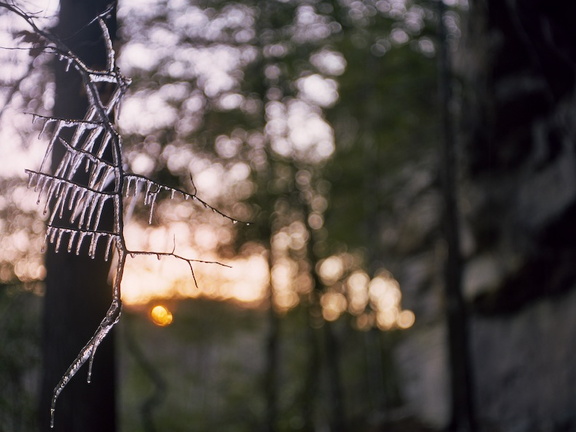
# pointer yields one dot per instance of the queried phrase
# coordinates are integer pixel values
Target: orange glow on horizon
(147, 278)
(246, 279)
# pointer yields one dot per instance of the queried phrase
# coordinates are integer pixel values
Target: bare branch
(188, 261)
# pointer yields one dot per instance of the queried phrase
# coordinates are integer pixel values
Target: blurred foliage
(19, 356)
(211, 364)
(208, 361)
(245, 110)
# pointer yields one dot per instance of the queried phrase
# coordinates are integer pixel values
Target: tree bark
(462, 407)
(77, 289)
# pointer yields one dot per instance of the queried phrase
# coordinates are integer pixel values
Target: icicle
(89, 142)
(58, 206)
(46, 185)
(31, 177)
(110, 174)
(68, 63)
(152, 204)
(45, 125)
(64, 164)
(58, 241)
(138, 186)
(88, 207)
(74, 165)
(38, 185)
(62, 200)
(65, 198)
(101, 201)
(42, 179)
(128, 183)
(147, 195)
(49, 186)
(93, 245)
(81, 235)
(80, 204)
(71, 240)
(78, 133)
(75, 190)
(102, 173)
(67, 166)
(109, 246)
(106, 137)
(172, 192)
(51, 233)
(53, 191)
(94, 174)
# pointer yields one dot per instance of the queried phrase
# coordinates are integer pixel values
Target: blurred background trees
(320, 123)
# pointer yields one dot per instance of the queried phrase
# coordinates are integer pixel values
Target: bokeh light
(161, 316)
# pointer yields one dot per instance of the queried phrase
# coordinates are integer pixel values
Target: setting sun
(161, 316)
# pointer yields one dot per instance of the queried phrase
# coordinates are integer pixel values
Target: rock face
(524, 367)
(520, 143)
(521, 183)
(518, 203)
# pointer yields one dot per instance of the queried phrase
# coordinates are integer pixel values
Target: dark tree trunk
(335, 393)
(462, 407)
(311, 381)
(272, 364)
(77, 289)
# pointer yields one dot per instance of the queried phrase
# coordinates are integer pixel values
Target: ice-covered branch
(135, 183)
(76, 198)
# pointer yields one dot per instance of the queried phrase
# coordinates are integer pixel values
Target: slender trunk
(77, 290)
(311, 380)
(271, 377)
(336, 397)
(336, 409)
(158, 394)
(463, 418)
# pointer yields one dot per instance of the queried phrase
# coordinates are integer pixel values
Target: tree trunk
(272, 363)
(77, 289)
(335, 393)
(462, 415)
